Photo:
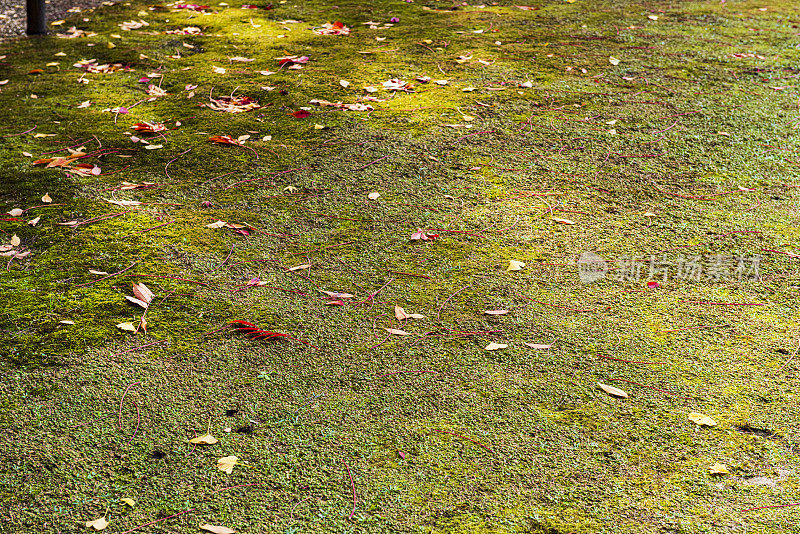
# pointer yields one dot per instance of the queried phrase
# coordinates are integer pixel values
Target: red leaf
(301, 114)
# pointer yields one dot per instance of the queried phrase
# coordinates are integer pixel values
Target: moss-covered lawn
(631, 130)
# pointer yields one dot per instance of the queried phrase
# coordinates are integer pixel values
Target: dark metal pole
(37, 24)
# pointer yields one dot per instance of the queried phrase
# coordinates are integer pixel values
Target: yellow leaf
(515, 265)
(15, 241)
(98, 524)
(216, 529)
(127, 327)
(718, 469)
(496, 346)
(226, 464)
(611, 390)
(206, 439)
(702, 419)
(127, 500)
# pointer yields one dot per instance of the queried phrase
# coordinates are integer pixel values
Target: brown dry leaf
(136, 301)
(206, 439)
(702, 419)
(216, 529)
(98, 524)
(226, 464)
(16, 212)
(400, 313)
(611, 390)
(46, 198)
(397, 332)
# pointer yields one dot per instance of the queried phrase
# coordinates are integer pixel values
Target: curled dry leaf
(98, 524)
(611, 390)
(374, 196)
(701, 419)
(128, 327)
(206, 439)
(496, 312)
(218, 224)
(496, 346)
(46, 198)
(15, 241)
(226, 464)
(216, 529)
(34, 222)
(143, 293)
(16, 212)
(563, 221)
(225, 140)
(337, 295)
(300, 267)
(65, 321)
(400, 313)
(127, 500)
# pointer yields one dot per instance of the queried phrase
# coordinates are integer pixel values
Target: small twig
(106, 277)
(139, 347)
(224, 261)
(353, 485)
(158, 520)
(173, 159)
(466, 438)
(439, 312)
(788, 361)
(151, 228)
(123, 400)
(770, 506)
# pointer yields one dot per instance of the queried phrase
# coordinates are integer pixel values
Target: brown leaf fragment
(397, 332)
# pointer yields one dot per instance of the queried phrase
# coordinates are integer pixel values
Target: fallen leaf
(218, 224)
(127, 327)
(206, 439)
(702, 419)
(98, 524)
(374, 196)
(65, 321)
(515, 265)
(344, 83)
(16, 212)
(46, 199)
(34, 222)
(538, 346)
(216, 529)
(614, 61)
(400, 313)
(15, 241)
(226, 464)
(496, 346)
(718, 469)
(136, 301)
(397, 332)
(337, 295)
(496, 312)
(143, 293)
(300, 267)
(563, 221)
(611, 390)
(127, 500)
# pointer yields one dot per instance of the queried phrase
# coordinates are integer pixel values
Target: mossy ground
(693, 119)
